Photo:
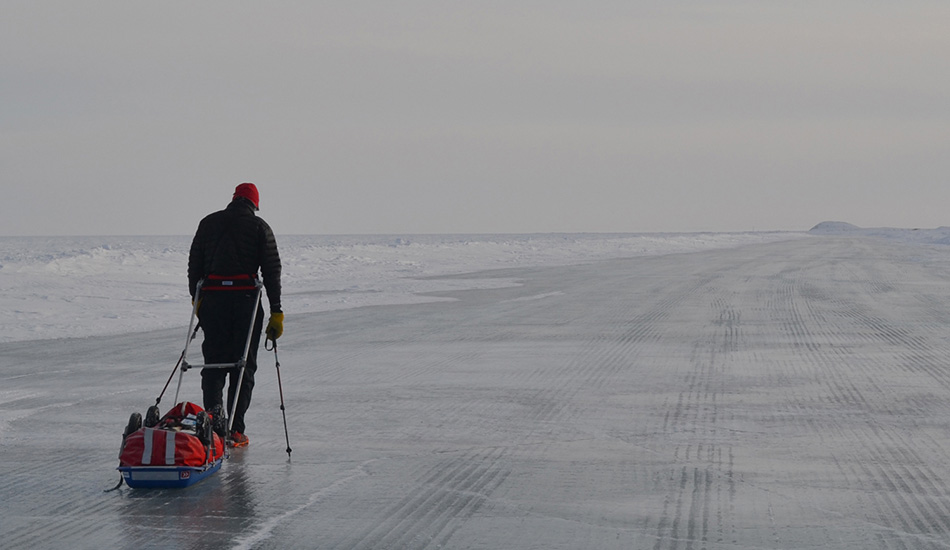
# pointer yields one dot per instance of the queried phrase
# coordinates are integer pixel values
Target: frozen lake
(789, 394)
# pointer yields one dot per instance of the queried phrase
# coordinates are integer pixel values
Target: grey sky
(447, 117)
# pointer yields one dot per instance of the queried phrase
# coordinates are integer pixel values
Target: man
(229, 248)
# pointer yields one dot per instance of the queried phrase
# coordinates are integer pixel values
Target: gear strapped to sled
(179, 450)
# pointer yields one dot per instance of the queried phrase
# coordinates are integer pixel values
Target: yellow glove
(275, 326)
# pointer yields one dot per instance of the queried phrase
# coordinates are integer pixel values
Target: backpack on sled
(176, 450)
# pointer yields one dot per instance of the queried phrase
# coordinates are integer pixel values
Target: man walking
(229, 248)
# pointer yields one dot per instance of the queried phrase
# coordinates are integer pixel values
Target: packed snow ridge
(940, 235)
(56, 287)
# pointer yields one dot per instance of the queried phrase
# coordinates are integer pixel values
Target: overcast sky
(129, 117)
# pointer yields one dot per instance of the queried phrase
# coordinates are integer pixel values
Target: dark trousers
(225, 317)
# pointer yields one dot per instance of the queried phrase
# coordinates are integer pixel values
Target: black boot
(219, 422)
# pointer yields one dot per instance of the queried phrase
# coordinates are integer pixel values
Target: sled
(187, 444)
(177, 450)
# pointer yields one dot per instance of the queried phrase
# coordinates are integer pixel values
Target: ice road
(782, 395)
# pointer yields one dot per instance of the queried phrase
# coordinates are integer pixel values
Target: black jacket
(234, 241)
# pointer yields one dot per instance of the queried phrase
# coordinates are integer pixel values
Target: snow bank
(940, 235)
(85, 286)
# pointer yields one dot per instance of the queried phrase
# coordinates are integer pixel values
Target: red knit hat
(249, 192)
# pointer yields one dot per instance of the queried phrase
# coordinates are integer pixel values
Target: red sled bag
(181, 443)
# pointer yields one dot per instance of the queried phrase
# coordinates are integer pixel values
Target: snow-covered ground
(940, 235)
(85, 286)
(778, 391)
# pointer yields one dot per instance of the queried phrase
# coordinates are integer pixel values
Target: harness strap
(229, 282)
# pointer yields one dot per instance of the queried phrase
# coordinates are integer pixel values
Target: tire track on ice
(443, 499)
(697, 509)
(48, 527)
(908, 494)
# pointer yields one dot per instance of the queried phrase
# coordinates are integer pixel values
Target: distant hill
(834, 227)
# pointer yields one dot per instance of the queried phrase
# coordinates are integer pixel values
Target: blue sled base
(167, 477)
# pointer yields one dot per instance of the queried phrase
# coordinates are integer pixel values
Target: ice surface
(785, 394)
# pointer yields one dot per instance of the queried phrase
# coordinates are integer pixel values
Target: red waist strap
(229, 282)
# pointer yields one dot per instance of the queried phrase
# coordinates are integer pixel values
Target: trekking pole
(280, 388)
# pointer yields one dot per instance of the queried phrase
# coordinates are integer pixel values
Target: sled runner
(187, 444)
